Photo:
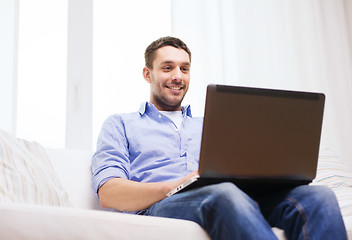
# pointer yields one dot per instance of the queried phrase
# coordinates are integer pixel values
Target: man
(141, 156)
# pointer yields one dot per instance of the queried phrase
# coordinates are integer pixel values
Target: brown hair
(149, 53)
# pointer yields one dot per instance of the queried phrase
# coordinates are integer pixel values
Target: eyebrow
(172, 62)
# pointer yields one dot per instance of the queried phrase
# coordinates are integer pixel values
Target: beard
(167, 103)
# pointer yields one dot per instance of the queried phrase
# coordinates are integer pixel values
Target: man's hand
(184, 179)
(127, 195)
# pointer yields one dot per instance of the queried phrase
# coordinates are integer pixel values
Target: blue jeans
(226, 212)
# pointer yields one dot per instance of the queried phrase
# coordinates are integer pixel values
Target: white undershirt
(175, 116)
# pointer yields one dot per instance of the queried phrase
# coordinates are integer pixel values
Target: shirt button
(176, 129)
(159, 116)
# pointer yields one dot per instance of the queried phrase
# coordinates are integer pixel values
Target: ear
(146, 74)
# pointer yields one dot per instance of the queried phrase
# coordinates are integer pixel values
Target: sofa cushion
(26, 174)
(25, 221)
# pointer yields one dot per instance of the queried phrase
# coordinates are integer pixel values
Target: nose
(177, 75)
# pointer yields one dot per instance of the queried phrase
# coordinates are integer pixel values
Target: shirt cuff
(104, 175)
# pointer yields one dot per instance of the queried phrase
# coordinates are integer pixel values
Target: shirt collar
(145, 106)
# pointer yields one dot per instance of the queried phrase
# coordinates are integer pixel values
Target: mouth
(175, 88)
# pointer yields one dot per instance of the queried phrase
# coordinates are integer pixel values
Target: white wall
(8, 63)
(300, 45)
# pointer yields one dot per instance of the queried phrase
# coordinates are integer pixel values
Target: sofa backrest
(73, 168)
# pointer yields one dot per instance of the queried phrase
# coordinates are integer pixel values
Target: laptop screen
(260, 133)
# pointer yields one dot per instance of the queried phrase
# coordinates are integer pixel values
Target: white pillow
(26, 174)
(333, 172)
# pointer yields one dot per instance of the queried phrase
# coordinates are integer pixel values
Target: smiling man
(168, 75)
(130, 174)
(143, 155)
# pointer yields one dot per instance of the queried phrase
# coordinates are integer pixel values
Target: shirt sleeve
(111, 158)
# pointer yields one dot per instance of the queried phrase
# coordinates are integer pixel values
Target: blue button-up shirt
(146, 146)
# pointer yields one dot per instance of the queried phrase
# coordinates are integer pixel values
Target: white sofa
(83, 218)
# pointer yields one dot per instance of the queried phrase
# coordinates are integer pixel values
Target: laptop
(262, 140)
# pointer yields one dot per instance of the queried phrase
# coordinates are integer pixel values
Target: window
(122, 31)
(41, 109)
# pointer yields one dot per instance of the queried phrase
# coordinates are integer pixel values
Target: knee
(321, 192)
(221, 191)
(227, 195)
(325, 196)
(318, 195)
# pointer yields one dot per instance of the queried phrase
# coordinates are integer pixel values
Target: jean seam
(303, 215)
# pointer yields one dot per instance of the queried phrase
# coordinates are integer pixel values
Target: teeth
(175, 88)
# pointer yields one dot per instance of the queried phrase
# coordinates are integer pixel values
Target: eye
(167, 68)
(185, 69)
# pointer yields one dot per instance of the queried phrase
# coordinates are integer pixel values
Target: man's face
(169, 78)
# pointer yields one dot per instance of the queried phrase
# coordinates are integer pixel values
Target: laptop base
(255, 188)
